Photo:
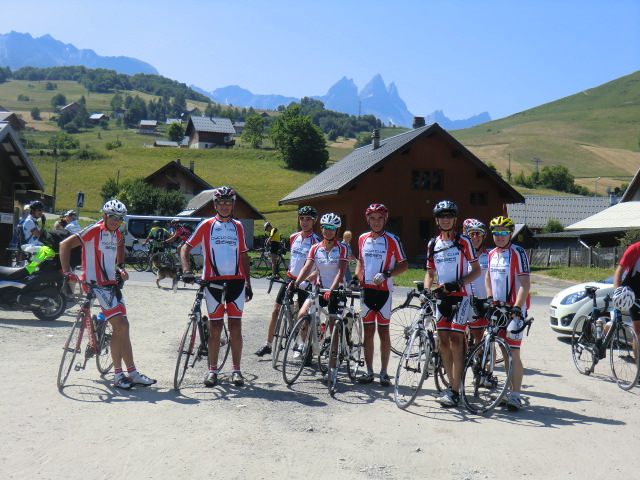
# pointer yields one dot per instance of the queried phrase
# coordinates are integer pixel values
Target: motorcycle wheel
(54, 312)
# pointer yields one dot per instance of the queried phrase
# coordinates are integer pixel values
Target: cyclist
(102, 254)
(381, 257)
(629, 264)
(157, 236)
(273, 244)
(301, 243)
(454, 259)
(346, 241)
(179, 233)
(225, 261)
(476, 231)
(30, 230)
(71, 217)
(508, 282)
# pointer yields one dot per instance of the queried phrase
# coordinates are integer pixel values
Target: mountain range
(18, 50)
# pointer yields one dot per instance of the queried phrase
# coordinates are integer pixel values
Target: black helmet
(37, 205)
(445, 206)
(307, 212)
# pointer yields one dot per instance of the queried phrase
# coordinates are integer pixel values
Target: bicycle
(487, 371)
(99, 338)
(346, 345)
(284, 323)
(194, 343)
(261, 264)
(403, 317)
(588, 347)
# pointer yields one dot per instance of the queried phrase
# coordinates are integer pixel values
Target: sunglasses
(476, 234)
(117, 218)
(329, 227)
(305, 219)
(446, 215)
(225, 203)
(502, 233)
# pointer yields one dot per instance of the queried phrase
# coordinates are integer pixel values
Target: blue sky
(460, 56)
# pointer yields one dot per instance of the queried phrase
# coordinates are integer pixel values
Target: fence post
(568, 256)
(590, 256)
(615, 257)
(549, 257)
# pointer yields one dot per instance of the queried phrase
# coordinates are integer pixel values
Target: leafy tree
(5, 74)
(51, 86)
(143, 199)
(553, 226)
(495, 170)
(35, 113)
(63, 140)
(629, 238)
(109, 190)
(58, 99)
(362, 139)
(557, 177)
(253, 131)
(175, 132)
(116, 102)
(300, 143)
(135, 112)
(332, 135)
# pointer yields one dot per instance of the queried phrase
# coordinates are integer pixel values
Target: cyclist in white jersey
(30, 230)
(453, 258)
(476, 231)
(301, 242)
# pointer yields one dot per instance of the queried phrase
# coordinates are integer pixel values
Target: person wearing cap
(273, 244)
(71, 217)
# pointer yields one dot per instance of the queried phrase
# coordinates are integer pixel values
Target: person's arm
(184, 257)
(399, 268)
(487, 284)
(429, 277)
(342, 267)
(246, 265)
(475, 273)
(304, 273)
(523, 291)
(617, 276)
(120, 254)
(65, 251)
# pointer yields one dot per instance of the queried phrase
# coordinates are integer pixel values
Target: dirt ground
(573, 426)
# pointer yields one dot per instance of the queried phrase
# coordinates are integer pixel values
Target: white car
(571, 303)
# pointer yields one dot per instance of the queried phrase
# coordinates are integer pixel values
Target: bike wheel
(297, 350)
(439, 374)
(186, 350)
(71, 348)
(583, 344)
(324, 342)
(283, 266)
(280, 333)
(104, 362)
(400, 325)
(486, 376)
(225, 346)
(623, 356)
(335, 355)
(356, 348)
(413, 368)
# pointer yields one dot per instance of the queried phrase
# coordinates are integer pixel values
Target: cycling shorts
(111, 302)
(514, 340)
(376, 306)
(234, 303)
(302, 294)
(459, 320)
(274, 247)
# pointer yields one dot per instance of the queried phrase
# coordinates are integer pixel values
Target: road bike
(261, 263)
(593, 334)
(284, 322)
(193, 346)
(488, 366)
(98, 335)
(403, 317)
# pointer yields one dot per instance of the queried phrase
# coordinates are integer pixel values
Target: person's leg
(121, 349)
(385, 345)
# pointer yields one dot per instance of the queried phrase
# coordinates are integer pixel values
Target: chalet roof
(633, 187)
(148, 123)
(623, 215)
(23, 172)
(69, 105)
(5, 115)
(97, 116)
(206, 196)
(173, 120)
(181, 168)
(537, 210)
(343, 174)
(210, 124)
(165, 143)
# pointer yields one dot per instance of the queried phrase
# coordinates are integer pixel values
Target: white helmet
(331, 219)
(623, 298)
(114, 207)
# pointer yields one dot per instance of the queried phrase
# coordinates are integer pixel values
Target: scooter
(37, 287)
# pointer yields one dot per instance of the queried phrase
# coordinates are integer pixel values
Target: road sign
(80, 200)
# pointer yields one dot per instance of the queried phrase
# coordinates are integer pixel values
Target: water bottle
(607, 326)
(599, 328)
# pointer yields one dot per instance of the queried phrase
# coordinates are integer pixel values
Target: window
(427, 180)
(478, 198)
(394, 225)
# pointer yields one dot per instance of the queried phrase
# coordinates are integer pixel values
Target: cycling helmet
(445, 206)
(267, 226)
(473, 225)
(307, 212)
(331, 219)
(623, 298)
(377, 208)
(114, 207)
(502, 222)
(37, 205)
(224, 193)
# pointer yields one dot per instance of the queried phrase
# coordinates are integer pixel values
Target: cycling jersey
(28, 225)
(379, 255)
(327, 262)
(505, 268)
(222, 244)
(182, 233)
(274, 235)
(300, 246)
(631, 262)
(451, 259)
(99, 251)
(478, 286)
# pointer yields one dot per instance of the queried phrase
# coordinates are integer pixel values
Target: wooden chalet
(14, 120)
(96, 117)
(210, 132)
(73, 107)
(176, 177)
(148, 126)
(409, 173)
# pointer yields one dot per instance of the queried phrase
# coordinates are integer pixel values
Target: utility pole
(55, 186)
(509, 170)
(537, 161)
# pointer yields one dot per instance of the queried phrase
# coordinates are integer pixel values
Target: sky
(460, 56)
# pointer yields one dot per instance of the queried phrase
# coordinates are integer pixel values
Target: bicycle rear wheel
(297, 350)
(71, 348)
(280, 333)
(486, 376)
(104, 362)
(583, 344)
(186, 350)
(623, 356)
(400, 325)
(335, 357)
(413, 368)
(140, 260)
(356, 347)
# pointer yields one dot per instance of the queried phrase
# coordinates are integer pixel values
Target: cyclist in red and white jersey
(624, 285)
(301, 243)
(381, 257)
(476, 231)
(102, 253)
(508, 281)
(225, 261)
(454, 259)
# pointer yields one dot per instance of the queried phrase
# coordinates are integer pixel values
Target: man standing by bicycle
(273, 245)
(225, 262)
(454, 259)
(629, 264)
(30, 230)
(102, 254)
(301, 242)
(476, 231)
(508, 282)
(381, 257)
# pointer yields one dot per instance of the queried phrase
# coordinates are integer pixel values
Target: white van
(139, 226)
